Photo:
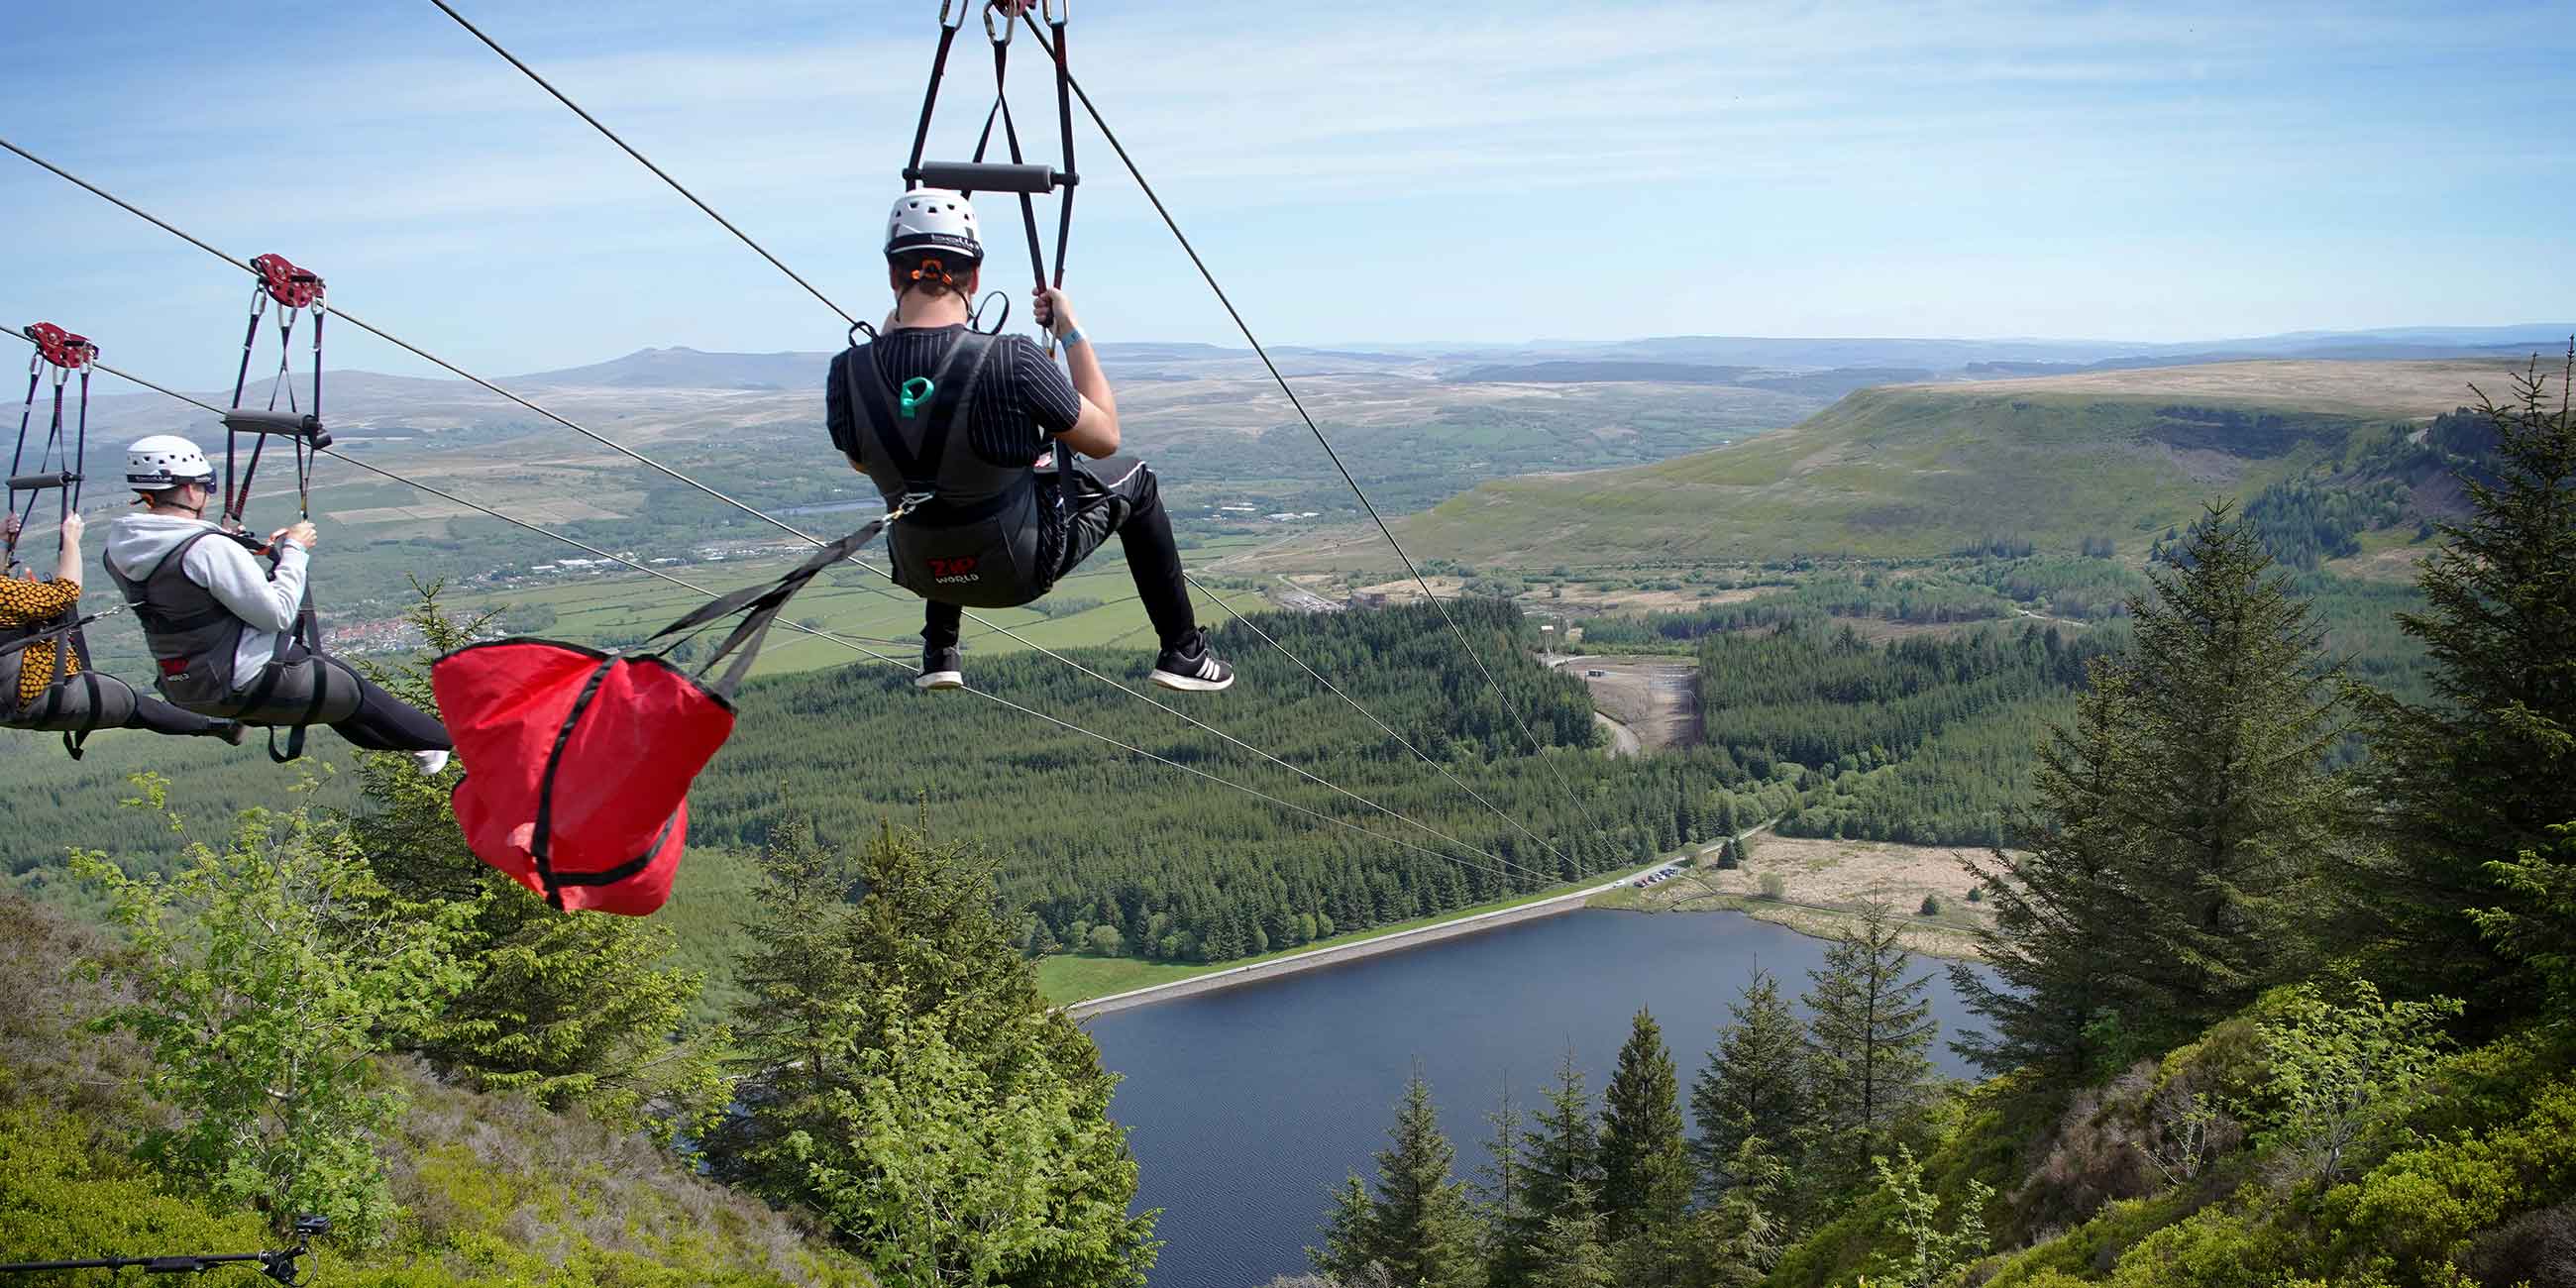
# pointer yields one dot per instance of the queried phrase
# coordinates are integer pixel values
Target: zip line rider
(220, 627)
(960, 428)
(48, 684)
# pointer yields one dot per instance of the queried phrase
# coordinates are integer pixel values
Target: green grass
(1903, 473)
(1068, 979)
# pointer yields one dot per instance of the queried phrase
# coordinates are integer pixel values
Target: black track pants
(1113, 495)
(161, 717)
(382, 721)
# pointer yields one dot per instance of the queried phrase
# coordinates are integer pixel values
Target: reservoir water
(1245, 1104)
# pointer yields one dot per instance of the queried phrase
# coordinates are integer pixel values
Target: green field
(1916, 471)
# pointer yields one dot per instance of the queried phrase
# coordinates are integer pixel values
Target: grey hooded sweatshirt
(137, 542)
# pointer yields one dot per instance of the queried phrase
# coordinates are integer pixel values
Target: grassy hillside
(494, 1190)
(1910, 471)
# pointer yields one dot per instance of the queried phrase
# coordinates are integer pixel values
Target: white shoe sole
(1191, 683)
(432, 763)
(939, 680)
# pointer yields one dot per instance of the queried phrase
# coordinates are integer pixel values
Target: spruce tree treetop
(1645, 1164)
(2482, 776)
(1753, 1087)
(1871, 1030)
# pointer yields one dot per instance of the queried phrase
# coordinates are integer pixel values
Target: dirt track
(1655, 698)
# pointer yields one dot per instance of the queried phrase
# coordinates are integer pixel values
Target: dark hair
(932, 271)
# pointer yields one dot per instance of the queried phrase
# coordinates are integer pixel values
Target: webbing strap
(764, 602)
(541, 839)
(930, 93)
(952, 391)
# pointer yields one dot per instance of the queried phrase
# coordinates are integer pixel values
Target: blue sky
(1353, 171)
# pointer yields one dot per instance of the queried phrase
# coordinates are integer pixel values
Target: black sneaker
(939, 669)
(1191, 668)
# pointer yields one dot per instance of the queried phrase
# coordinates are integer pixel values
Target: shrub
(2332, 1066)
(265, 975)
(1931, 906)
(1774, 886)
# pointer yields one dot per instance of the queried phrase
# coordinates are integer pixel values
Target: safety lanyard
(59, 465)
(295, 291)
(1018, 176)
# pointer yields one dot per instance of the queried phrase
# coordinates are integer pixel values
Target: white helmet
(165, 461)
(933, 219)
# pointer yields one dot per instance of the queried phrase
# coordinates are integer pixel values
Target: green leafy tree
(2537, 924)
(1754, 1086)
(939, 1175)
(265, 977)
(2328, 1066)
(2478, 778)
(1645, 1163)
(1871, 1028)
(845, 998)
(1932, 1253)
(572, 1011)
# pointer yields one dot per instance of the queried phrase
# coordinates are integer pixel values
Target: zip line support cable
(882, 658)
(1474, 654)
(362, 324)
(1066, 89)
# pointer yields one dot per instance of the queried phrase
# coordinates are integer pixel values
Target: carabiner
(1009, 29)
(1047, 10)
(945, 6)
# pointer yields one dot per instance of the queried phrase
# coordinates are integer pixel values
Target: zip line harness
(274, 698)
(582, 759)
(73, 711)
(59, 464)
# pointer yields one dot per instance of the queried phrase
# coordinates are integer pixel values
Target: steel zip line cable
(745, 507)
(676, 186)
(851, 644)
(1473, 654)
(641, 159)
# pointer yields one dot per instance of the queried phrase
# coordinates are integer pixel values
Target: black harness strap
(930, 94)
(540, 843)
(950, 390)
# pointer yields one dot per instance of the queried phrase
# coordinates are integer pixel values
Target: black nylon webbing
(541, 839)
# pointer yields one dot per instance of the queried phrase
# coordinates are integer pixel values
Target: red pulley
(60, 347)
(293, 287)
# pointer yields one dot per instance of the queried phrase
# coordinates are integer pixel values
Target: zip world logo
(951, 571)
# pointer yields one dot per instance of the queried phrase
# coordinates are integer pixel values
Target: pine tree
(1645, 1165)
(1569, 1252)
(2479, 777)
(1754, 1086)
(2177, 852)
(1420, 1229)
(1562, 1155)
(898, 1047)
(1868, 1038)
(571, 1012)
(1502, 1193)
(2063, 916)
(1350, 1235)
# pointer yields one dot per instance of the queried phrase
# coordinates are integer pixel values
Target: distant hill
(689, 369)
(1925, 470)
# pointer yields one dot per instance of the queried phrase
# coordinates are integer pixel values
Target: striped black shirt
(1021, 400)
